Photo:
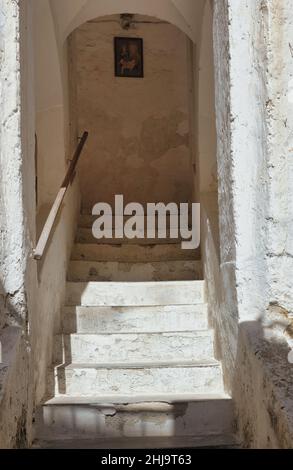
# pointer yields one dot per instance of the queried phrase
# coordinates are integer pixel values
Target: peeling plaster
(253, 268)
(137, 127)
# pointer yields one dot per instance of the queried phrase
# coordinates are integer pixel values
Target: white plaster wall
(139, 141)
(280, 151)
(241, 153)
(50, 292)
(50, 105)
(14, 251)
(236, 278)
(249, 291)
(52, 128)
(32, 304)
(16, 220)
(271, 344)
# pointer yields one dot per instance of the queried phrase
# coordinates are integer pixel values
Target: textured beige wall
(16, 221)
(51, 123)
(207, 136)
(50, 105)
(139, 128)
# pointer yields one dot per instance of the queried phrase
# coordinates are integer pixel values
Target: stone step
(87, 220)
(132, 253)
(133, 379)
(134, 319)
(85, 235)
(124, 294)
(174, 416)
(133, 347)
(134, 272)
(211, 441)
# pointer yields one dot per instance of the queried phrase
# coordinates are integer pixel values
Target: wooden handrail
(47, 230)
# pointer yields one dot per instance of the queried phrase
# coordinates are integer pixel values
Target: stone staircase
(134, 364)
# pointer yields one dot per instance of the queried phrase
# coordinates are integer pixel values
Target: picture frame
(129, 57)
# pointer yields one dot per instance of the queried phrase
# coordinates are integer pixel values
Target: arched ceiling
(185, 14)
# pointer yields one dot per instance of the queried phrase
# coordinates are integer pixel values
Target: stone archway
(186, 14)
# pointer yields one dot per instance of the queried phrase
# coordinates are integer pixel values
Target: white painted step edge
(110, 320)
(141, 365)
(210, 441)
(148, 399)
(137, 419)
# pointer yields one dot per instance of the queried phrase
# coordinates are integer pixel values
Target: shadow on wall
(15, 372)
(254, 354)
(262, 386)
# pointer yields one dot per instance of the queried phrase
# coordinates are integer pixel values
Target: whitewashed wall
(50, 106)
(17, 225)
(30, 298)
(250, 290)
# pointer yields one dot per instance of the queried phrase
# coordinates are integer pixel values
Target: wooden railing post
(48, 227)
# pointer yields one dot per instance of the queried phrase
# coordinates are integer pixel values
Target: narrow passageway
(134, 356)
(117, 331)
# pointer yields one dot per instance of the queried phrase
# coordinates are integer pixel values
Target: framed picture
(128, 57)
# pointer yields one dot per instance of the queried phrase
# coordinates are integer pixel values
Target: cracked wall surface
(13, 254)
(280, 152)
(30, 299)
(17, 228)
(139, 128)
(249, 281)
